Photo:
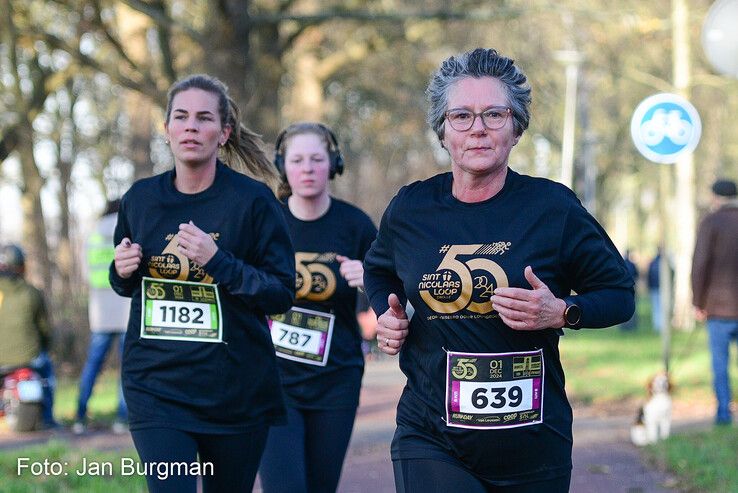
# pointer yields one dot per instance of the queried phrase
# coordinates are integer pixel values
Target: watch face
(573, 314)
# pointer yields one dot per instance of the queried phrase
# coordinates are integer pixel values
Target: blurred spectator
(25, 331)
(654, 292)
(108, 314)
(715, 286)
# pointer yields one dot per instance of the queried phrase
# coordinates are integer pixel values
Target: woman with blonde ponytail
(204, 253)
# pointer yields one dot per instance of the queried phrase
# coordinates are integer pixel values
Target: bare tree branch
(440, 15)
(165, 38)
(106, 31)
(147, 87)
(161, 18)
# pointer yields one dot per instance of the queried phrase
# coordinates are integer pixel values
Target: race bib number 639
(494, 390)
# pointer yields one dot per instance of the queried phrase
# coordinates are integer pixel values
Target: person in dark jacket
(488, 258)
(205, 255)
(715, 287)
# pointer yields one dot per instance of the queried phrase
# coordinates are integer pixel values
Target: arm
(701, 265)
(592, 267)
(595, 271)
(380, 277)
(268, 283)
(41, 320)
(385, 290)
(128, 256)
(353, 270)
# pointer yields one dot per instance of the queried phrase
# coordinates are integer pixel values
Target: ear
(225, 134)
(517, 138)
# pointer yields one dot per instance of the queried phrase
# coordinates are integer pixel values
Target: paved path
(604, 459)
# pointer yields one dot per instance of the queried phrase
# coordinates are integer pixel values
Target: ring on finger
(386, 341)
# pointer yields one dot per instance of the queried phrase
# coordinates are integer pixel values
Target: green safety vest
(99, 255)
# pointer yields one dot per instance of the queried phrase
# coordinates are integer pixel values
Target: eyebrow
(485, 109)
(204, 112)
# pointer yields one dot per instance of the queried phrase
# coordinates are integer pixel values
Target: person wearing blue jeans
(43, 365)
(100, 344)
(715, 286)
(108, 316)
(721, 332)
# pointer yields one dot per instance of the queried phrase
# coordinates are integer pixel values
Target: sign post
(664, 127)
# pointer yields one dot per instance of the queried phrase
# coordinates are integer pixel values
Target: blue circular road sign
(664, 127)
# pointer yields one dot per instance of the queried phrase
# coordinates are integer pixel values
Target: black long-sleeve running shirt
(446, 257)
(343, 230)
(211, 387)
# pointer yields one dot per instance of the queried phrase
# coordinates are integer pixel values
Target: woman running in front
(204, 252)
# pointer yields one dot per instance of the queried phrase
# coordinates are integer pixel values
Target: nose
(192, 125)
(478, 125)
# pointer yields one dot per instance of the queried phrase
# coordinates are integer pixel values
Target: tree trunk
(34, 225)
(684, 212)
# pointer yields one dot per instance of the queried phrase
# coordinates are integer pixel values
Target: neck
(194, 179)
(309, 209)
(476, 188)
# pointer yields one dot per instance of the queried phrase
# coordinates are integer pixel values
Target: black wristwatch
(572, 315)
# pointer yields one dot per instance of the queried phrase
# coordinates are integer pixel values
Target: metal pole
(571, 59)
(664, 269)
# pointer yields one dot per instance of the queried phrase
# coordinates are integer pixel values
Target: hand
(195, 244)
(392, 327)
(352, 271)
(127, 258)
(700, 314)
(529, 309)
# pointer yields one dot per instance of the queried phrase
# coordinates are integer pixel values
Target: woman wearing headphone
(318, 340)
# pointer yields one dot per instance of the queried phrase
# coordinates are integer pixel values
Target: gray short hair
(478, 63)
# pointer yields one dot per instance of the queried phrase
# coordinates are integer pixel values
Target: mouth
(189, 143)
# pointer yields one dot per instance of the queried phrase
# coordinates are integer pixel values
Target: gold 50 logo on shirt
(315, 281)
(464, 279)
(173, 264)
(174, 308)
(305, 335)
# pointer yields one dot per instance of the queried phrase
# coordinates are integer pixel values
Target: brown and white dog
(654, 417)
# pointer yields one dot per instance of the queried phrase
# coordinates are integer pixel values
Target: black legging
(235, 458)
(306, 455)
(430, 476)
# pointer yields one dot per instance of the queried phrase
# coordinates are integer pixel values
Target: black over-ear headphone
(334, 152)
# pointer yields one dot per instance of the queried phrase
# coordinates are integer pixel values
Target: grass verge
(703, 461)
(19, 469)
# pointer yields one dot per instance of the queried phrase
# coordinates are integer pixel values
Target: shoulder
(349, 211)
(553, 190)
(32, 291)
(245, 191)
(422, 190)
(246, 184)
(145, 187)
(545, 195)
(148, 184)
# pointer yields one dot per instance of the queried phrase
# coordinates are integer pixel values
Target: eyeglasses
(493, 118)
